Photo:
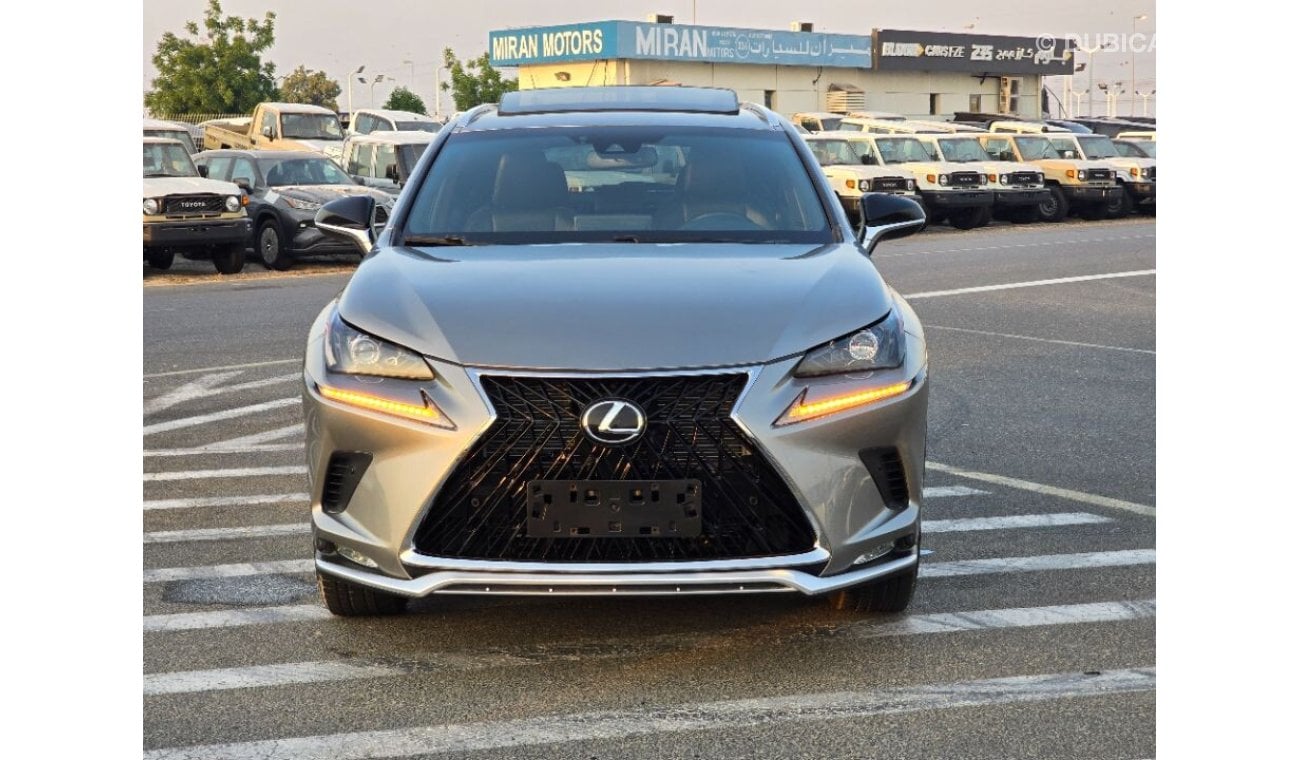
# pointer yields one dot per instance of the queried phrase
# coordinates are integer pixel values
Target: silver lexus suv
(616, 341)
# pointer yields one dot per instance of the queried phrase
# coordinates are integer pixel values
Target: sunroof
(625, 98)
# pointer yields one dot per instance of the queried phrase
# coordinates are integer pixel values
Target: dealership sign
(675, 42)
(974, 53)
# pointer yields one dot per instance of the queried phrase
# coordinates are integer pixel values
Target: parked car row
(1013, 169)
(261, 179)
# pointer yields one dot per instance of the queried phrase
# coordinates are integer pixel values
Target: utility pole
(1132, 64)
(360, 69)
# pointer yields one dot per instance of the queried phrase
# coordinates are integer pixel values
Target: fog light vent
(341, 478)
(886, 468)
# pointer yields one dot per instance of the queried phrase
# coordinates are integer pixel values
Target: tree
(403, 99)
(314, 87)
(220, 71)
(475, 81)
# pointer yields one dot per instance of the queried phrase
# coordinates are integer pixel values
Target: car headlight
(1114, 176)
(349, 351)
(984, 180)
(943, 179)
(151, 206)
(911, 184)
(301, 204)
(876, 346)
(1005, 179)
(1148, 172)
(232, 203)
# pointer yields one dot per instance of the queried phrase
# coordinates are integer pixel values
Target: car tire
(271, 246)
(891, 594)
(229, 259)
(159, 258)
(970, 218)
(1055, 208)
(1121, 206)
(347, 599)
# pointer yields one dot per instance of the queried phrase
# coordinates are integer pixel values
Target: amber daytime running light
(800, 411)
(426, 412)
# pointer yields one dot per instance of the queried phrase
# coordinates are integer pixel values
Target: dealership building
(918, 74)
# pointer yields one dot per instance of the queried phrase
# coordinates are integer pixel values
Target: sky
(338, 36)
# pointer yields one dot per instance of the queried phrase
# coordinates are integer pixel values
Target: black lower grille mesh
(886, 468)
(481, 511)
(184, 205)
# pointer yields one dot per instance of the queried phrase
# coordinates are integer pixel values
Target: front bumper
(821, 461)
(958, 198)
(1090, 194)
(1142, 191)
(1028, 197)
(197, 234)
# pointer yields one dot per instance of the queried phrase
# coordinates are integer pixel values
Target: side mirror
(357, 178)
(868, 159)
(351, 219)
(885, 217)
(243, 184)
(268, 133)
(203, 170)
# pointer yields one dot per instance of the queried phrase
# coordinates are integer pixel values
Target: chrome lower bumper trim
(411, 558)
(621, 583)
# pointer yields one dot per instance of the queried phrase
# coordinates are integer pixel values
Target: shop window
(769, 98)
(936, 106)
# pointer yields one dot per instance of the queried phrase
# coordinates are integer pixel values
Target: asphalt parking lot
(1032, 634)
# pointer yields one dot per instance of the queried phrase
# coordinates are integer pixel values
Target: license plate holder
(614, 509)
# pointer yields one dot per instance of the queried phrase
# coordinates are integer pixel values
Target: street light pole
(360, 69)
(1133, 72)
(1091, 70)
(437, 90)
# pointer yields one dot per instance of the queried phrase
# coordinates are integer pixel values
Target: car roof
(820, 114)
(396, 115)
(299, 108)
(405, 137)
(164, 124)
(625, 105)
(162, 140)
(278, 154)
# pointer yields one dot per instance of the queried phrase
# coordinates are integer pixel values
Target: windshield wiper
(434, 240)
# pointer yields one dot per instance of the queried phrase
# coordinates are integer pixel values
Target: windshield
(1035, 148)
(1096, 146)
(962, 150)
(173, 134)
(901, 150)
(620, 184)
(418, 126)
(1148, 147)
(309, 170)
(167, 160)
(829, 124)
(311, 126)
(409, 155)
(839, 152)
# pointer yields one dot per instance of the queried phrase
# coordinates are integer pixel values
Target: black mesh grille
(188, 205)
(481, 511)
(1098, 174)
(341, 479)
(965, 179)
(888, 184)
(1024, 178)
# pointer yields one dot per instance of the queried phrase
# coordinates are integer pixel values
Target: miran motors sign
(974, 53)
(675, 42)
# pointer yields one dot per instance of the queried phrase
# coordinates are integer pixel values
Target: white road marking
(1043, 340)
(1027, 485)
(257, 439)
(234, 472)
(997, 565)
(192, 621)
(1030, 284)
(197, 370)
(990, 566)
(262, 676)
(261, 448)
(203, 419)
(238, 570)
(939, 492)
(608, 725)
(191, 390)
(1020, 617)
(226, 501)
(1011, 522)
(225, 534)
(1039, 244)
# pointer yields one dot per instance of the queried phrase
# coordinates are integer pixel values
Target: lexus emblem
(613, 422)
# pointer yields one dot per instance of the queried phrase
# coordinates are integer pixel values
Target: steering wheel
(720, 221)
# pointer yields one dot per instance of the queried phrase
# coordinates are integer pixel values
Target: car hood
(613, 307)
(326, 193)
(156, 187)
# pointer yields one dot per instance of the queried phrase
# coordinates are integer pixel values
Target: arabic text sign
(676, 42)
(974, 53)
